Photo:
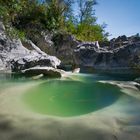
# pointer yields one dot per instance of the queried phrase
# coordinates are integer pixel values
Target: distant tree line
(24, 18)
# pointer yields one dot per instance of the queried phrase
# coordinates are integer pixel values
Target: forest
(25, 18)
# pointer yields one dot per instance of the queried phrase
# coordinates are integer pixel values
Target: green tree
(11, 9)
(87, 28)
(86, 11)
(30, 17)
(55, 14)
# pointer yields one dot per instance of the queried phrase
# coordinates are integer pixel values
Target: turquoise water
(71, 97)
(78, 107)
(77, 95)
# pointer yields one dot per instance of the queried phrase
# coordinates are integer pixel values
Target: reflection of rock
(46, 71)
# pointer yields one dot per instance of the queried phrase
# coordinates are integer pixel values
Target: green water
(78, 95)
(70, 97)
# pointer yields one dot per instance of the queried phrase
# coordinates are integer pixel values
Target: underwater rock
(46, 71)
(76, 70)
(37, 76)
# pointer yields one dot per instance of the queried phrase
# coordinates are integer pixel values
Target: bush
(14, 33)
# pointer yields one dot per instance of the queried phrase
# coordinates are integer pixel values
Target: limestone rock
(15, 57)
(121, 59)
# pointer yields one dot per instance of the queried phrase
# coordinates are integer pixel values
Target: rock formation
(122, 56)
(116, 55)
(61, 45)
(119, 55)
(15, 57)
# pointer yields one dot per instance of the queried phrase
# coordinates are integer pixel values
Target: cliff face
(15, 57)
(121, 55)
(61, 45)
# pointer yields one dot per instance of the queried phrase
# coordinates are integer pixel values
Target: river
(79, 107)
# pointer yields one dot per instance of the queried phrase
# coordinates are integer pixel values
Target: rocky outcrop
(59, 44)
(117, 55)
(122, 57)
(65, 45)
(15, 57)
(33, 58)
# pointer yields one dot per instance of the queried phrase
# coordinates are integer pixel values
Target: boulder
(33, 58)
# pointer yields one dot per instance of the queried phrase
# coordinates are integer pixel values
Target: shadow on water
(70, 98)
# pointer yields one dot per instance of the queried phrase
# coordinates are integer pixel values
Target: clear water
(78, 95)
(71, 97)
(101, 108)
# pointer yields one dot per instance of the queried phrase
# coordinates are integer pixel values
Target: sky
(121, 16)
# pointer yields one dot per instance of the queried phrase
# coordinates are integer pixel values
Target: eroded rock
(15, 57)
(121, 59)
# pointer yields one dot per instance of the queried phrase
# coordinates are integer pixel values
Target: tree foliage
(86, 11)
(30, 17)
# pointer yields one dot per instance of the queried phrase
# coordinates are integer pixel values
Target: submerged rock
(46, 71)
(76, 70)
(37, 76)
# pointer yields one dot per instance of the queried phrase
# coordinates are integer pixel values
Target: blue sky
(121, 16)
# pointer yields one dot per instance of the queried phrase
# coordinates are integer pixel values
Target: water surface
(71, 97)
(78, 107)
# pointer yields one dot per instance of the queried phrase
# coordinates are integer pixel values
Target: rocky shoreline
(120, 55)
(121, 59)
(14, 57)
